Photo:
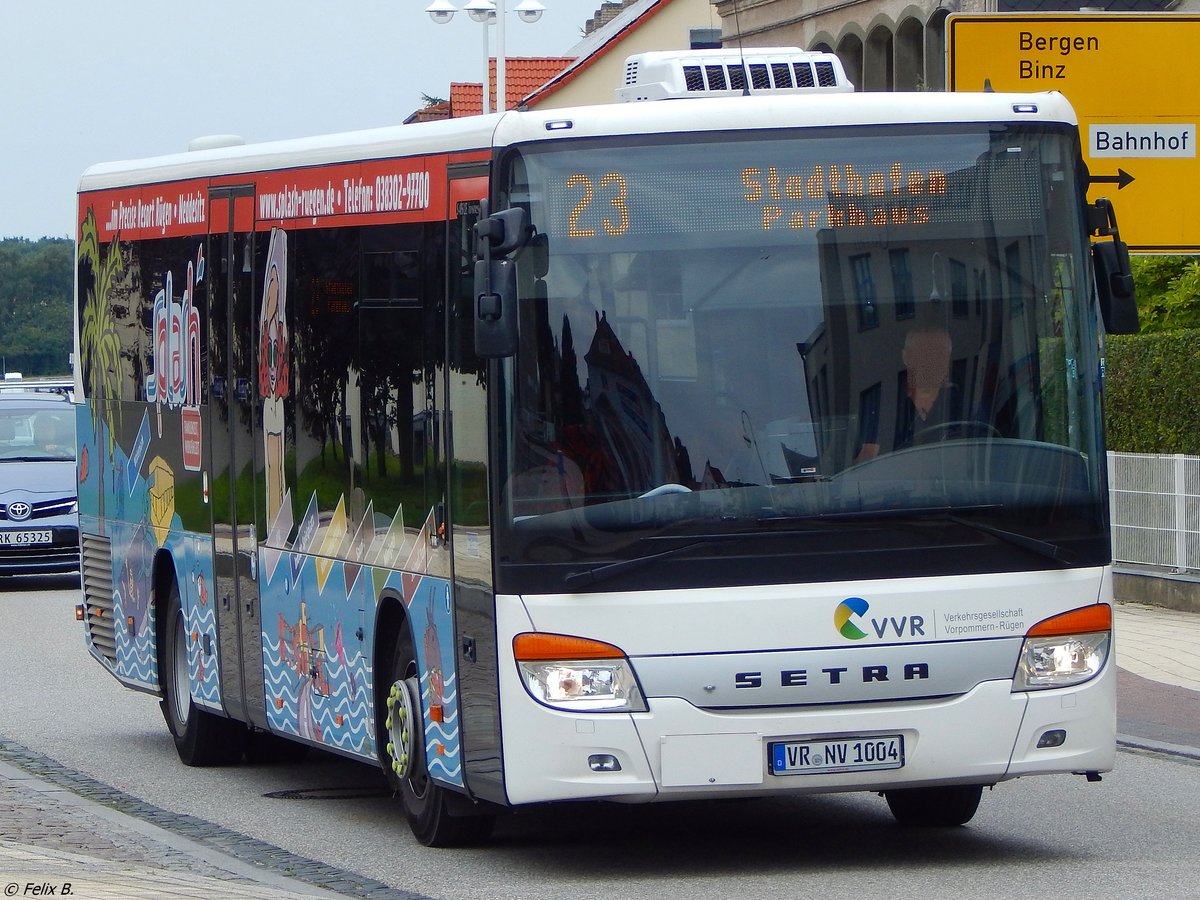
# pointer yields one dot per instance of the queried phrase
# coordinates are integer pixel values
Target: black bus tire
(201, 738)
(437, 816)
(935, 806)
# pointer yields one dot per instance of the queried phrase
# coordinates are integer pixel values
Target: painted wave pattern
(135, 653)
(203, 669)
(443, 756)
(343, 719)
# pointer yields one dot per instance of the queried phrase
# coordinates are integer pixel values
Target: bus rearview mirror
(495, 308)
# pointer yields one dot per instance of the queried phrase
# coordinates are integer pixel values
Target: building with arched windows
(886, 45)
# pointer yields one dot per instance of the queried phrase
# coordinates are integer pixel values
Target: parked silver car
(39, 507)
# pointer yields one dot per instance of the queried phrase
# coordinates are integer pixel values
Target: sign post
(1132, 79)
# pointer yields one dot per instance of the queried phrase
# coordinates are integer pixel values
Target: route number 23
(612, 192)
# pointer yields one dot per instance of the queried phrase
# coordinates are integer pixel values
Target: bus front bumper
(679, 751)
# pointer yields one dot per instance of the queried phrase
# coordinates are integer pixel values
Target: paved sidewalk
(65, 835)
(1162, 645)
(54, 838)
(1158, 679)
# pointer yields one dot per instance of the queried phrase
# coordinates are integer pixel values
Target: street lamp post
(487, 12)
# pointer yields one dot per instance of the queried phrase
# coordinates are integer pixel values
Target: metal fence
(1155, 510)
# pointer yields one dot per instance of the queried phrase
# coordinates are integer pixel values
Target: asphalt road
(1158, 713)
(1131, 835)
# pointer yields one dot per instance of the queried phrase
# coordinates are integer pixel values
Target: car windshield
(811, 356)
(36, 432)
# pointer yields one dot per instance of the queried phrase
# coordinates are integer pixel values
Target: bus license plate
(25, 538)
(845, 754)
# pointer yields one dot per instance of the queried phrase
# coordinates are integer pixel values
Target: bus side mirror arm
(1114, 274)
(497, 237)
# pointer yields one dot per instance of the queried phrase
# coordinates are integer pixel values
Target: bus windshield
(811, 355)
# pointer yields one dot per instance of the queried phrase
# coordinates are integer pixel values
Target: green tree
(1168, 292)
(35, 305)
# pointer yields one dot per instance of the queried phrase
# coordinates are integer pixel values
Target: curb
(1145, 745)
(207, 842)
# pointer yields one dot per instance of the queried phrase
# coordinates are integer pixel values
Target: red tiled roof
(522, 76)
(430, 113)
(465, 99)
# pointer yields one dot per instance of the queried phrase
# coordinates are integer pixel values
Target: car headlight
(1065, 650)
(577, 674)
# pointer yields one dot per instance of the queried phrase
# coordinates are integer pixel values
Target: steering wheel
(669, 488)
(957, 428)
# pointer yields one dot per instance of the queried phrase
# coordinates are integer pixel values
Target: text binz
(1062, 45)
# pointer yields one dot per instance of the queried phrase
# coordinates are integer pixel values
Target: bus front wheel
(935, 806)
(201, 738)
(437, 816)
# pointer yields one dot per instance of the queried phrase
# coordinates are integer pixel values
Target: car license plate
(843, 754)
(25, 538)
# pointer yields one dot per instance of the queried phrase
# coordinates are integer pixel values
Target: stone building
(886, 45)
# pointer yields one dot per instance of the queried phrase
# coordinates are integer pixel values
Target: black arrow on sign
(1121, 179)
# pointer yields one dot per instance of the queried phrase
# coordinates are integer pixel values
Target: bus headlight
(577, 674)
(1065, 650)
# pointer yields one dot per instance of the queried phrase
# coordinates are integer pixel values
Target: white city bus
(741, 441)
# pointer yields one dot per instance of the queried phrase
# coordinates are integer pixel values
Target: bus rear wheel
(935, 806)
(201, 738)
(438, 817)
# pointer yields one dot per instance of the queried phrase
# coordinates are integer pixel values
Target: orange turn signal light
(532, 646)
(1096, 617)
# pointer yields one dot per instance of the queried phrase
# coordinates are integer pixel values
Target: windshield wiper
(1024, 541)
(883, 516)
(611, 570)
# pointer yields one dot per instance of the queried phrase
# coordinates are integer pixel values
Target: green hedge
(1152, 390)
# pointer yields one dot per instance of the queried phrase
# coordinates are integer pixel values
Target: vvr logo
(850, 608)
(850, 612)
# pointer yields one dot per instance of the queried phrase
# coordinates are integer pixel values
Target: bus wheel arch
(438, 816)
(202, 738)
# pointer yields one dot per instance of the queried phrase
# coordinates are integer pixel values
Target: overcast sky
(88, 82)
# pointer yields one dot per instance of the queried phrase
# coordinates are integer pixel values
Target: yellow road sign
(1134, 81)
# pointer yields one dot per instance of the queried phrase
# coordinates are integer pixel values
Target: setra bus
(743, 439)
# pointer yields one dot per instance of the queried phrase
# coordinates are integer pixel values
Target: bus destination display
(611, 203)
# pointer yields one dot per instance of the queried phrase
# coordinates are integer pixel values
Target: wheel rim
(181, 693)
(401, 714)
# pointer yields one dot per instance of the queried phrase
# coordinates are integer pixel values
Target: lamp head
(530, 11)
(441, 11)
(481, 11)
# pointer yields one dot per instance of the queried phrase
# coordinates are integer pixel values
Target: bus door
(234, 451)
(470, 530)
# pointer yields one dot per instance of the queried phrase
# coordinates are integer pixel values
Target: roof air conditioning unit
(663, 75)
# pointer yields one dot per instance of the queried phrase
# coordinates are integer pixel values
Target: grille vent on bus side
(96, 563)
